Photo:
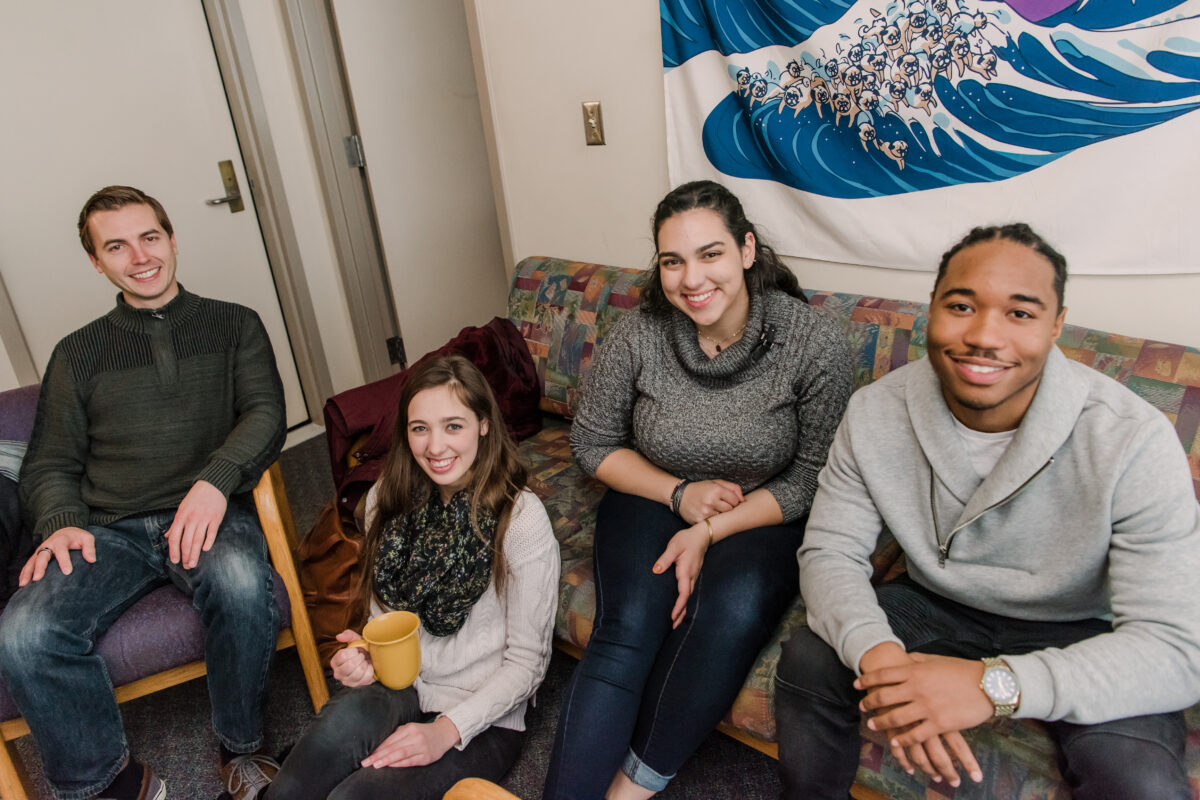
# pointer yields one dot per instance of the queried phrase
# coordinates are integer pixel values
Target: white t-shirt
(984, 449)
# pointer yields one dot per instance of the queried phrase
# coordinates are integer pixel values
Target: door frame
(13, 341)
(232, 48)
(325, 95)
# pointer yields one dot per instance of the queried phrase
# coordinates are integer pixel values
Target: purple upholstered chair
(159, 641)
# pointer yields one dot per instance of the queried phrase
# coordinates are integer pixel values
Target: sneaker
(152, 787)
(246, 776)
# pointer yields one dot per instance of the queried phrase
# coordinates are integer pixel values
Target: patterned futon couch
(565, 309)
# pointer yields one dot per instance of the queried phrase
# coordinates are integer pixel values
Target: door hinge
(354, 151)
(395, 348)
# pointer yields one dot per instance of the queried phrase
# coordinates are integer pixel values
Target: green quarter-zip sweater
(1089, 513)
(140, 404)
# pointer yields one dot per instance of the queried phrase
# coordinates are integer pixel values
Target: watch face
(1000, 685)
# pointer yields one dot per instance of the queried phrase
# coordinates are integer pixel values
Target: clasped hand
(686, 551)
(923, 702)
(703, 499)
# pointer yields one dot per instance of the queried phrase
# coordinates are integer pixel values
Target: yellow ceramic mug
(395, 648)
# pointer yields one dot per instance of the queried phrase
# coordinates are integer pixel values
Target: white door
(120, 93)
(412, 83)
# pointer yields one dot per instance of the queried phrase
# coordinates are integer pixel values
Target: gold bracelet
(708, 522)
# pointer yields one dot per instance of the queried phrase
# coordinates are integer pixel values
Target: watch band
(999, 710)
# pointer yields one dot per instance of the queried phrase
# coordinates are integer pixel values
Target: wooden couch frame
(275, 516)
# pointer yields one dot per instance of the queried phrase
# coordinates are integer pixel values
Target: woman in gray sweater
(708, 413)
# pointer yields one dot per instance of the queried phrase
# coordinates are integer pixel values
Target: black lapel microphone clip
(766, 340)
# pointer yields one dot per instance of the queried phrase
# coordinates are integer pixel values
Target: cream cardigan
(486, 672)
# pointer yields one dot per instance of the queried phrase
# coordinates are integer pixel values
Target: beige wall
(562, 198)
(414, 93)
(416, 195)
(541, 59)
(538, 60)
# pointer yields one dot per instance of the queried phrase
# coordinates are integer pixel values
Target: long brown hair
(496, 477)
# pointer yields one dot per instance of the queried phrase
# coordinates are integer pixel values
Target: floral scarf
(433, 563)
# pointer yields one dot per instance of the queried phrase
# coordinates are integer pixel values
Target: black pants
(816, 706)
(325, 762)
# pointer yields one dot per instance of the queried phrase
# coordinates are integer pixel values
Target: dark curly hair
(767, 271)
(1018, 233)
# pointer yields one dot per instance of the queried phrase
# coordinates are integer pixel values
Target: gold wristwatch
(1000, 685)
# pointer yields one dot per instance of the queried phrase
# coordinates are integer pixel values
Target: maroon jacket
(501, 355)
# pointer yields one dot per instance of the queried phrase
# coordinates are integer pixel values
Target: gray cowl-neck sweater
(761, 413)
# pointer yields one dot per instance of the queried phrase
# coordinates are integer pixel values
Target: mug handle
(359, 643)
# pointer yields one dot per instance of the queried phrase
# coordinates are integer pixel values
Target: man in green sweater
(154, 424)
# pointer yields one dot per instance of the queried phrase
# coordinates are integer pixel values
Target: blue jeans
(644, 696)
(325, 763)
(48, 632)
(816, 706)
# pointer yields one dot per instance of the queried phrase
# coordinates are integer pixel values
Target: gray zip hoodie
(1090, 512)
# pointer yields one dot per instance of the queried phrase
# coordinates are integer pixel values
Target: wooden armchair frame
(477, 789)
(275, 516)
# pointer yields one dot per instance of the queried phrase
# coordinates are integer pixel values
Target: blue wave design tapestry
(878, 133)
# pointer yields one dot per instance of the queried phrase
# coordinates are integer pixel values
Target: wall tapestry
(878, 133)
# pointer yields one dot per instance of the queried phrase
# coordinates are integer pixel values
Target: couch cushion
(571, 498)
(564, 309)
(158, 632)
(17, 410)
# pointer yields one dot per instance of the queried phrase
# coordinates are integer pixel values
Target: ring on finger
(45, 550)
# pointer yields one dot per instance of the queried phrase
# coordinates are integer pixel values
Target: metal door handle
(229, 198)
(233, 193)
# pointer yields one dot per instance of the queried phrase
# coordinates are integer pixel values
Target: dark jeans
(644, 696)
(62, 688)
(325, 762)
(816, 706)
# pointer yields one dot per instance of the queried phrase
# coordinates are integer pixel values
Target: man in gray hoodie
(1052, 539)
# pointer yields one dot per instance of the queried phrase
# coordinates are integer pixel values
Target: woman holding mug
(454, 536)
(708, 413)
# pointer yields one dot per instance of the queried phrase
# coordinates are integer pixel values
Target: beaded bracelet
(677, 495)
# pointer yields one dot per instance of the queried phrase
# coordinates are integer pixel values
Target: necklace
(718, 343)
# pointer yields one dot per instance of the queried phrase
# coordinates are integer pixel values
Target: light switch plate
(593, 123)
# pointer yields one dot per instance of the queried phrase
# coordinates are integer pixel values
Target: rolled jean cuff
(636, 770)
